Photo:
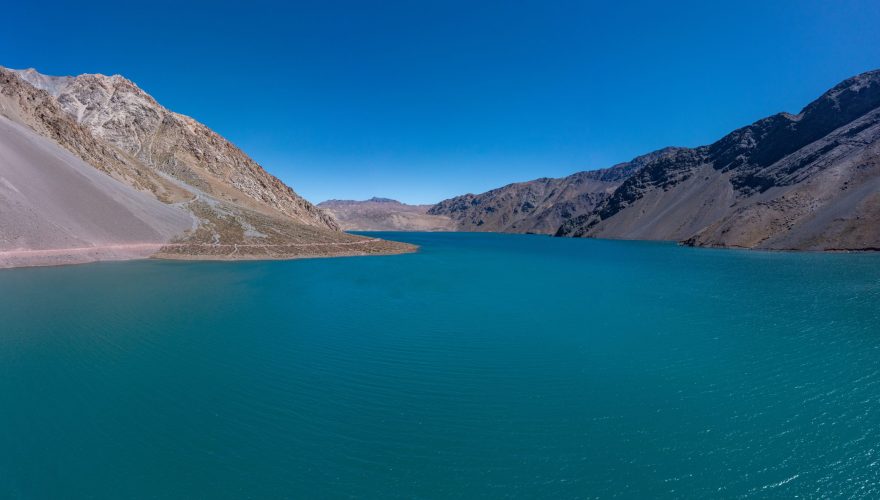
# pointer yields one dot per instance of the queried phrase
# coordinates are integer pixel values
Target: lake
(485, 365)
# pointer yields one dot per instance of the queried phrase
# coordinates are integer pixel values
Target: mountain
(116, 111)
(809, 181)
(541, 205)
(384, 214)
(195, 193)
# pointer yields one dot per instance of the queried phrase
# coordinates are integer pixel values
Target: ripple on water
(484, 365)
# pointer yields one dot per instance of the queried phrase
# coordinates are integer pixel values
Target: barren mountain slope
(241, 212)
(538, 206)
(383, 214)
(807, 181)
(121, 114)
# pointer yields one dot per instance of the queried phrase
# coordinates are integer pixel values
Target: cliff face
(191, 193)
(383, 214)
(541, 205)
(807, 181)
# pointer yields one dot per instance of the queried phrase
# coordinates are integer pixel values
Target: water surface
(482, 366)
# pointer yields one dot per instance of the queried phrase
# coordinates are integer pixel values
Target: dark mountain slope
(541, 205)
(805, 181)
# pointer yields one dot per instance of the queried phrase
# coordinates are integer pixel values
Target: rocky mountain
(809, 181)
(541, 205)
(384, 214)
(119, 113)
(232, 207)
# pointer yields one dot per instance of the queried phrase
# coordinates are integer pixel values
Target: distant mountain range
(385, 214)
(538, 206)
(809, 181)
(168, 185)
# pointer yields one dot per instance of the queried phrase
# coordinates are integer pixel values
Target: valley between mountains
(93, 168)
(806, 181)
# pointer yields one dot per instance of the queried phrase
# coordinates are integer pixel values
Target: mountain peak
(57, 85)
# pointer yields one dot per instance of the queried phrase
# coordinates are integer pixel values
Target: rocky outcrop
(384, 214)
(35, 108)
(809, 181)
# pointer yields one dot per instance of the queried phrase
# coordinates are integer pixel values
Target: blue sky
(423, 100)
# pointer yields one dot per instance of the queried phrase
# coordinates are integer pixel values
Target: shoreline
(681, 243)
(24, 258)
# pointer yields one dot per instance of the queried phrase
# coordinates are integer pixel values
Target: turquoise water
(483, 366)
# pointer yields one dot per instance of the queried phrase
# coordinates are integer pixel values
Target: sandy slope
(56, 209)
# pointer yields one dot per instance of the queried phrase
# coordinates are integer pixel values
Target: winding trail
(122, 248)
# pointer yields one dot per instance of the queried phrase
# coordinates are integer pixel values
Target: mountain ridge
(539, 205)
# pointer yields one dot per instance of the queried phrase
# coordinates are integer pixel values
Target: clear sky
(423, 100)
